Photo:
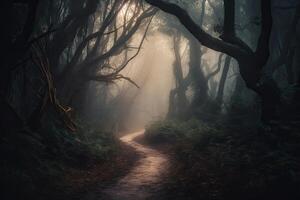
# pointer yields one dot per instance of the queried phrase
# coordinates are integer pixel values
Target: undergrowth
(33, 164)
(238, 163)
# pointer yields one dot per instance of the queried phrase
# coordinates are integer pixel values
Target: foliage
(34, 163)
(242, 162)
(174, 131)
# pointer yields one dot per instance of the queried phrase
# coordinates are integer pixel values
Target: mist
(150, 99)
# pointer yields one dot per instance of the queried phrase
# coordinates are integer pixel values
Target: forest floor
(143, 180)
(182, 182)
(80, 182)
(152, 177)
(212, 162)
(159, 171)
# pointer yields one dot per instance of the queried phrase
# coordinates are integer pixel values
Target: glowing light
(128, 11)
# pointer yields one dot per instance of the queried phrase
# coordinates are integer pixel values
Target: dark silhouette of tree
(250, 62)
(178, 100)
(71, 44)
(220, 93)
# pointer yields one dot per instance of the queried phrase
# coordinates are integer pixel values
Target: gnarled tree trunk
(250, 62)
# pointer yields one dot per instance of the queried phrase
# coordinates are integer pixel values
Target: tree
(196, 77)
(178, 101)
(221, 88)
(88, 37)
(250, 62)
(72, 43)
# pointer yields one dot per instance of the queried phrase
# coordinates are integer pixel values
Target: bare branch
(203, 37)
(119, 43)
(139, 47)
(115, 75)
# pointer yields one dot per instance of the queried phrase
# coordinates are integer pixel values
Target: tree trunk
(199, 81)
(264, 86)
(250, 62)
(177, 99)
(289, 66)
(220, 94)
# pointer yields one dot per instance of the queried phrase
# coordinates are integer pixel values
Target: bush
(192, 131)
(246, 162)
(82, 147)
(164, 131)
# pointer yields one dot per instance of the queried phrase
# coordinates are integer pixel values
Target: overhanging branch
(203, 37)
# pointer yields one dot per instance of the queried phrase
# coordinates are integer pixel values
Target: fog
(155, 63)
(122, 106)
(152, 71)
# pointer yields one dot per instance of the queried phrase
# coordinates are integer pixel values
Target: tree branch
(115, 75)
(203, 37)
(119, 43)
(229, 27)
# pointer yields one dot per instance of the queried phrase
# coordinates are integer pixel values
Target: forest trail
(144, 179)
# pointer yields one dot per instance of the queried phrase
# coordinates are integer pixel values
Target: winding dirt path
(144, 179)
